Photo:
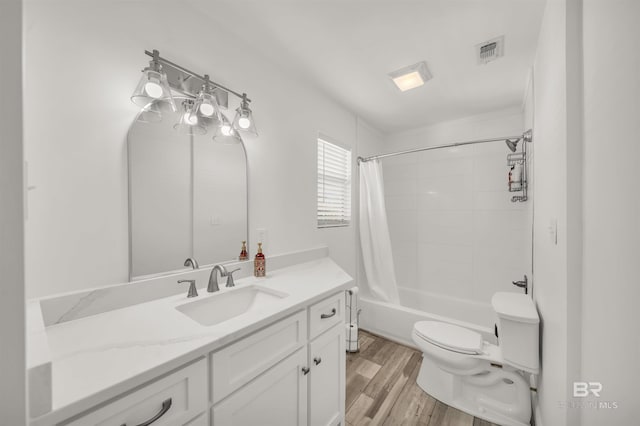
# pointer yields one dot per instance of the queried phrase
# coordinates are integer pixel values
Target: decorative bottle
(243, 252)
(259, 266)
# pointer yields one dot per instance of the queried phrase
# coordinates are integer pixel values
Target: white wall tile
(401, 202)
(403, 225)
(445, 167)
(405, 259)
(445, 201)
(495, 200)
(400, 186)
(454, 230)
(446, 184)
(400, 171)
(490, 173)
(452, 235)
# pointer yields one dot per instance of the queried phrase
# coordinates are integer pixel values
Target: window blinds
(334, 185)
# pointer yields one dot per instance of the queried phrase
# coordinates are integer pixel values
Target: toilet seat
(450, 337)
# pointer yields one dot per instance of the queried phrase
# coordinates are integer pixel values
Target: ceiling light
(153, 86)
(243, 120)
(411, 77)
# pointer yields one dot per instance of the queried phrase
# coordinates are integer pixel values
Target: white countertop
(98, 357)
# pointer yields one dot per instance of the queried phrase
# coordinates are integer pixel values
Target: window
(334, 185)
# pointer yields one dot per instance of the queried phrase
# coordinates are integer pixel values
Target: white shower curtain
(377, 256)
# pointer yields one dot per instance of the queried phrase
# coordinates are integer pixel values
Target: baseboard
(394, 339)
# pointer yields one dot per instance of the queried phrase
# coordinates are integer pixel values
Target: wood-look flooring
(382, 389)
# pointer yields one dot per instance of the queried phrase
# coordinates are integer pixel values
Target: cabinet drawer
(176, 399)
(240, 362)
(325, 314)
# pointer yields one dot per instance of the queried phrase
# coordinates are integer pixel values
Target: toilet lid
(449, 336)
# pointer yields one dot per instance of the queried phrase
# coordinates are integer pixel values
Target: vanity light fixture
(153, 86)
(189, 123)
(243, 120)
(410, 77)
(206, 99)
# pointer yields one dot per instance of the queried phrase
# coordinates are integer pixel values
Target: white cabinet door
(327, 378)
(276, 398)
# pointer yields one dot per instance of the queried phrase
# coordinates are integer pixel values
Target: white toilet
(485, 380)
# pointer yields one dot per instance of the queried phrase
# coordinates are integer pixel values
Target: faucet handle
(230, 282)
(192, 287)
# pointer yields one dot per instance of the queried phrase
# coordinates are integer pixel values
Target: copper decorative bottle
(243, 252)
(259, 266)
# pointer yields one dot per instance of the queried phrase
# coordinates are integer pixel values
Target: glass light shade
(154, 112)
(206, 106)
(244, 121)
(206, 110)
(153, 87)
(150, 114)
(225, 133)
(189, 123)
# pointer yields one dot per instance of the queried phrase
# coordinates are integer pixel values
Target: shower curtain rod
(526, 136)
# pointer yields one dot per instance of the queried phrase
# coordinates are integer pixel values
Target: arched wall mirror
(187, 196)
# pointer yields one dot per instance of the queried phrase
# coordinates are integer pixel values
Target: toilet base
(489, 396)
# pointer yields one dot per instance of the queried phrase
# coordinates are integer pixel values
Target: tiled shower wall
(454, 230)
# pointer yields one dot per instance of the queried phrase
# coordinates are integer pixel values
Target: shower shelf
(519, 186)
(517, 158)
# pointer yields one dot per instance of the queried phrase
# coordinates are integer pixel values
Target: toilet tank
(518, 330)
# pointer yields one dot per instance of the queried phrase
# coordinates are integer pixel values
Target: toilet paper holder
(352, 342)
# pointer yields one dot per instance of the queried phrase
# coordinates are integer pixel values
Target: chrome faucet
(213, 278)
(191, 262)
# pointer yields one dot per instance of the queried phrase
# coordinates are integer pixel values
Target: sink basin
(229, 304)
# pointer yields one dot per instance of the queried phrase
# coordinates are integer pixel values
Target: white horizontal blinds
(334, 185)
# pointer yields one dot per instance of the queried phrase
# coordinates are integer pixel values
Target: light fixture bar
(182, 84)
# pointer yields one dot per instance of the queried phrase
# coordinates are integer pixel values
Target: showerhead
(512, 144)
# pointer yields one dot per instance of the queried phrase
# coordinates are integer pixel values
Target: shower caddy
(519, 159)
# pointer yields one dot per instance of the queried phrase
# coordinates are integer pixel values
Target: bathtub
(395, 322)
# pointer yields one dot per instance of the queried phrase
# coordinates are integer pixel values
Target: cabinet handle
(325, 316)
(166, 404)
(317, 360)
(306, 370)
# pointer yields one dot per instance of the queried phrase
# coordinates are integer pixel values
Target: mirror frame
(133, 278)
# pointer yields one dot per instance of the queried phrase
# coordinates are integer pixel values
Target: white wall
(12, 292)
(528, 119)
(557, 209)
(610, 314)
(550, 208)
(83, 60)
(454, 230)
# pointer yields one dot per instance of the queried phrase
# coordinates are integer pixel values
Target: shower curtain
(375, 242)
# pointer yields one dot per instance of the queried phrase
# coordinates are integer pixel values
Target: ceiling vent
(490, 50)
